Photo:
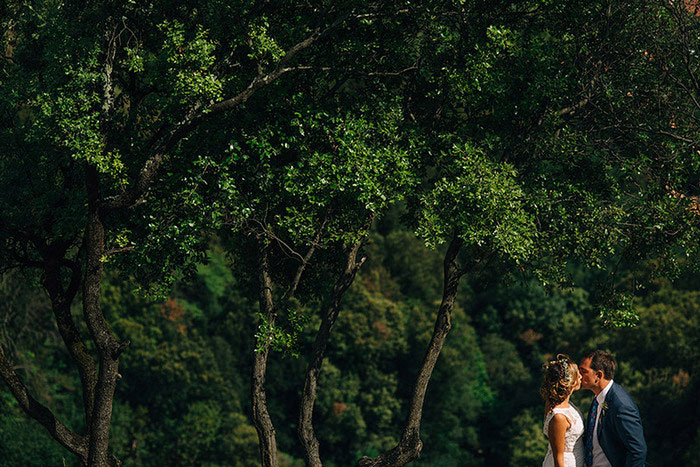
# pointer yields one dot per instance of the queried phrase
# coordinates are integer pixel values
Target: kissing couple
(613, 436)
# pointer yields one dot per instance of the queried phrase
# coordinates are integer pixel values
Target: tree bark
(73, 442)
(108, 348)
(267, 440)
(410, 445)
(308, 397)
(60, 303)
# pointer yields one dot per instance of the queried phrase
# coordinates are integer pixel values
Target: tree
(537, 132)
(305, 209)
(96, 101)
(520, 104)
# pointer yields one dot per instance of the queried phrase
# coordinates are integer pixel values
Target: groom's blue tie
(589, 432)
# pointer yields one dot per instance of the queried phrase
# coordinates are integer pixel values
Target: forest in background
(184, 398)
(346, 232)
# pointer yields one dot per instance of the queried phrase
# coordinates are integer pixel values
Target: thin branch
(271, 235)
(675, 136)
(264, 79)
(305, 261)
(687, 59)
(394, 73)
(687, 91)
(352, 70)
(684, 139)
(114, 251)
(198, 114)
(68, 439)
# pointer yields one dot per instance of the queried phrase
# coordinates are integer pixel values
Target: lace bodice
(573, 439)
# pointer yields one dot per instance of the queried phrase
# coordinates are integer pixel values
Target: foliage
(526, 445)
(539, 133)
(177, 375)
(482, 201)
(184, 391)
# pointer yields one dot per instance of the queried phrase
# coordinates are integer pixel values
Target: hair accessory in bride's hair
(564, 361)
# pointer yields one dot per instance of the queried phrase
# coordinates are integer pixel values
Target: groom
(614, 435)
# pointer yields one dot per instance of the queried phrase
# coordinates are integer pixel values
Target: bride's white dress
(573, 439)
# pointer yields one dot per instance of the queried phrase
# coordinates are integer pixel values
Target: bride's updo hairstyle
(559, 379)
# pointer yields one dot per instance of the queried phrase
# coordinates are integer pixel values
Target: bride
(563, 424)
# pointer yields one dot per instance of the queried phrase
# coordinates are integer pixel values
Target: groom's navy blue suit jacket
(620, 431)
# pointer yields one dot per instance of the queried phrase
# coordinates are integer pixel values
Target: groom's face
(589, 379)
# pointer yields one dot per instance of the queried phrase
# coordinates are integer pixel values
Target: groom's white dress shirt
(599, 459)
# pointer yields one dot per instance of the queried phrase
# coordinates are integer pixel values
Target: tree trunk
(267, 440)
(308, 397)
(108, 348)
(410, 445)
(61, 300)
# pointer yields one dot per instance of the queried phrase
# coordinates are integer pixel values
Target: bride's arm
(556, 433)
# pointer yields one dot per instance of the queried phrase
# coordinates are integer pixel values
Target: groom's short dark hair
(602, 360)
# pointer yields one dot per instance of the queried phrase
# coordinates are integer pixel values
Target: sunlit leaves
(480, 200)
(264, 48)
(190, 58)
(282, 336)
(364, 168)
(314, 168)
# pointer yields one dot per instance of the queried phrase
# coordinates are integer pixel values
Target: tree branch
(271, 235)
(107, 85)
(60, 304)
(114, 251)
(410, 445)
(687, 91)
(304, 262)
(280, 69)
(328, 319)
(71, 441)
(353, 71)
(571, 110)
(198, 114)
(267, 441)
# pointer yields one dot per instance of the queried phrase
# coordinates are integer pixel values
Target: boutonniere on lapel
(603, 409)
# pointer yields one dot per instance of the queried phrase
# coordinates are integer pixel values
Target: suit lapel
(599, 428)
(605, 405)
